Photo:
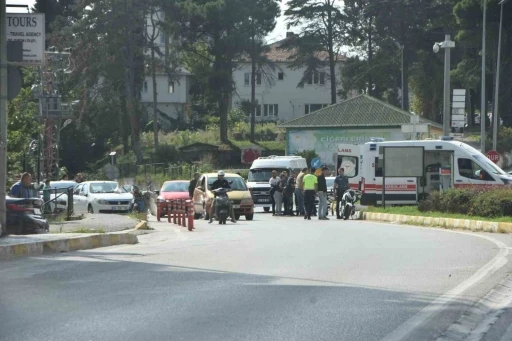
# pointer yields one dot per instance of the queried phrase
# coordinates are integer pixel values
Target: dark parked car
(24, 216)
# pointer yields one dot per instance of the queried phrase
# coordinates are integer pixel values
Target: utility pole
(497, 89)
(3, 114)
(447, 44)
(483, 106)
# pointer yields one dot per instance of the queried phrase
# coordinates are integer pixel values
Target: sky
(278, 33)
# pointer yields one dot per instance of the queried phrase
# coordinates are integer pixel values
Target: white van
(447, 163)
(261, 172)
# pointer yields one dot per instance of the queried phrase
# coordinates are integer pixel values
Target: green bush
(481, 202)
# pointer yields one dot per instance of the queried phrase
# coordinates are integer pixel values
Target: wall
(178, 96)
(325, 141)
(285, 93)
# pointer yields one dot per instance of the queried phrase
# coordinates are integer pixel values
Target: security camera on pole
(447, 44)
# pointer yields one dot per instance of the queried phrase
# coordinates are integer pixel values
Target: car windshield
(178, 186)
(488, 164)
(61, 187)
(106, 187)
(263, 174)
(236, 183)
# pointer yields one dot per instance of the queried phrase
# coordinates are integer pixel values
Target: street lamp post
(497, 88)
(447, 44)
(401, 47)
(483, 106)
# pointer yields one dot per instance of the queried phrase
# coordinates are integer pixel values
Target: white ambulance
(446, 163)
(261, 172)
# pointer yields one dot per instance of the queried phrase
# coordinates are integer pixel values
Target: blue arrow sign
(316, 162)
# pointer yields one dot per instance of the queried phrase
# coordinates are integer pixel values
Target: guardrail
(181, 212)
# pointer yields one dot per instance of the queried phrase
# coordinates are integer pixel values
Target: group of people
(302, 188)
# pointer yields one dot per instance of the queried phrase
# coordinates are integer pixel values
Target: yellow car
(240, 196)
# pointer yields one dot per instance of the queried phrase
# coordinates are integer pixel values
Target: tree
(262, 21)
(109, 52)
(218, 24)
(323, 30)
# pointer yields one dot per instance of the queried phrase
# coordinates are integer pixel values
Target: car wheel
(205, 214)
(237, 216)
(266, 209)
(249, 216)
(197, 215)
(158, 216)
(90, 209)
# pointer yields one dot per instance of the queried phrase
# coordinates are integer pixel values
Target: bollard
(169, 211)
(190, 206)
(185, 215)
(178, 210)
(182, 213)
(174, 212)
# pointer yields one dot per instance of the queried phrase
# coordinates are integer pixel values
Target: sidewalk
(120, 230)
(97, 221)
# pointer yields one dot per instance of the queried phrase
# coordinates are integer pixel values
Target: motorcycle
(348, 204)
(223, 206)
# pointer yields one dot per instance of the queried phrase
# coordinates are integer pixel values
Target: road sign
(458, 124)
(28, 28)
(316, 163)
(493, 156)
(410, 128)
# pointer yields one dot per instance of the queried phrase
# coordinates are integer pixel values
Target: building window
(145, 89)
(270, 110)
(171, 87)
(316, 78)
(247, 79)
(309, 108)
(280, 76)
(258, 110)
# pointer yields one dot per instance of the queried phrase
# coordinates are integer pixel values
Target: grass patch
(413, 211)
(138, 216)
(84, 230)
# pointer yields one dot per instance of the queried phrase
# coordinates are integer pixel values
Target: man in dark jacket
(340, 186)
(221, 182)
(192, 185)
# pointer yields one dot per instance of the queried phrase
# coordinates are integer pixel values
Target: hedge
(482, 202)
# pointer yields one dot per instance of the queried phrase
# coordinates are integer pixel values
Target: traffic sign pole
(3, 114)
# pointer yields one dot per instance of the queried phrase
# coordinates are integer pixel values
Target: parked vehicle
(171, 190)
(261, 172)
(348, 204)
(447, 163)
(24, 216)
(101, 197)
(239, 195)
(59, 194)
(223, 208)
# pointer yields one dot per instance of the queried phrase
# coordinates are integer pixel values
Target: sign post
(458, 111)
(29, 28)
(493, 155)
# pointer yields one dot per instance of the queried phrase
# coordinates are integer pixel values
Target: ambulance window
(349, 164)
(471, 170)
(378, 167)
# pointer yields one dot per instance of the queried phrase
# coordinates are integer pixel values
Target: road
(96, 221)
(274, 278)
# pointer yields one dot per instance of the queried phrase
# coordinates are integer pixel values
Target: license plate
(264, 200)
(118, 208)
(236, 206)
(37, 211)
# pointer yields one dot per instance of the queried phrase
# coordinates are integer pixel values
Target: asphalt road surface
(269, 279)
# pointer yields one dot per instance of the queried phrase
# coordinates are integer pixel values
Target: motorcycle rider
(221, 182)
(138, 199)
(340, 186)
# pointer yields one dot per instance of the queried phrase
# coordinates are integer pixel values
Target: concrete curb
(449, 223)
(142, 225)
(67, 244)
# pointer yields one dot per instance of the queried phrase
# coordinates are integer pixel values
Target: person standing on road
(274, 184)
(322, 194)
(298, 191)
(192, 185)
(279, 195)
(310, 184)
(340, 186)
(289, 193)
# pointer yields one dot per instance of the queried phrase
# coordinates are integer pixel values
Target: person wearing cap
(322, 194)
(221, 182)
(192, 185)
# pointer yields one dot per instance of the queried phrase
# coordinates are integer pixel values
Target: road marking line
(439, 304)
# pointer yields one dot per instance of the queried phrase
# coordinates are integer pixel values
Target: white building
(280, 98)
(172, 94)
